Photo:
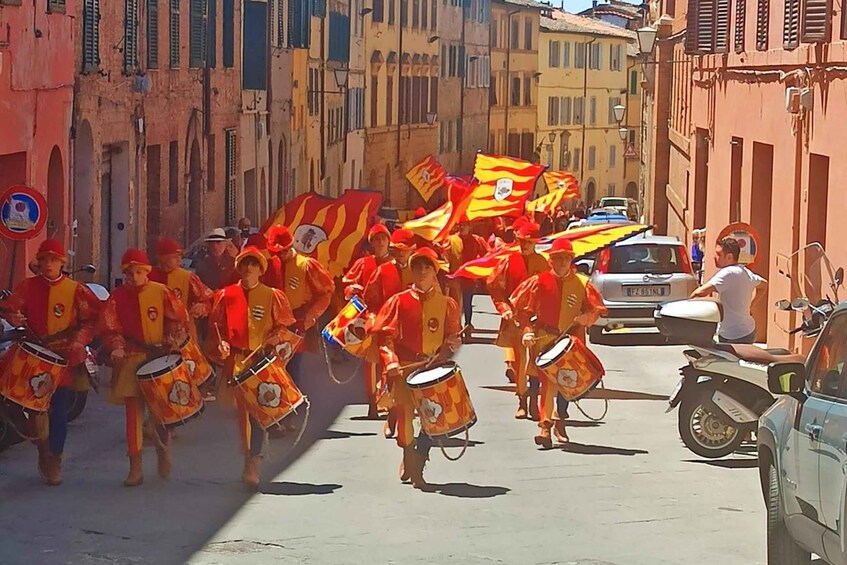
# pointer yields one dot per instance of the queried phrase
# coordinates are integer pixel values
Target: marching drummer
(62, 314)
(564, 302)
(246, 317)
(419, 322)
(141, 319)
(515, 269)
(187, 286)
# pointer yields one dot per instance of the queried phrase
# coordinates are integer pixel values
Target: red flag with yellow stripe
(505, 185)
(562, 186)
(438, 224)
(329, 229)
(427, 177)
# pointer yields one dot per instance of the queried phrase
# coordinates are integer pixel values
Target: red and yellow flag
(329, 229)
(562, 186)
(438, 224)
(505, 184)
(427, 177)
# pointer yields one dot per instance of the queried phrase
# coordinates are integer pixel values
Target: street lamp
(431, 117)
(646, 40)
(619, 111)
(551, 136)
(623, 133)
(341, 77)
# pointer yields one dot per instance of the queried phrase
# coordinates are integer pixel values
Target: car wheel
(705, 432)
(782, 549)
(595, 334)
(77, 404)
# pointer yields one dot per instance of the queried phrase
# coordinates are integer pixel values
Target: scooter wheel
(76, 404)
(706, 432)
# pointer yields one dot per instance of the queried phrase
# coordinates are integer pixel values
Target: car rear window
(613, 202)
(643, 259)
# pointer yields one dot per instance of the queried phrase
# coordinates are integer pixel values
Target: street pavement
(624, 492)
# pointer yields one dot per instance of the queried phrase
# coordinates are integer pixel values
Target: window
(280, 25)
(319, 8)
(592, 157)
(416, 14)
(579, 56)
(173, 45)
(613, 101)
(595, 56)
(816, 14)
(513, 38)
(230, 172)
(493, 35)
(527, 91)
(339, 37)
(374, 100)
(612, 162)
(615, 57)
(299, 23)
(564, 157)
(90, 35)
(566, 54)
(389, 97)
(527, 37)
(565, 110)
(740, 23)
(404, 13)
(392, 11)
(553, 47)
(433, 94)
(228, 14)
(197, 33)
(578, 110)
(378, 14)
(828, 368)
(633, 83)
(425, 13)
(515, 93)
(631, 137)
(152, 34)
(254, 75)
(592, 111)
(131, 36)
(55, 6)
(173, 172)
(610, 190)
(707, 27)
(762, 17)
(433, 20)
(577, 159)
(553, 111)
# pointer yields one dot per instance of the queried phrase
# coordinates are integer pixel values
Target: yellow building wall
(632, 166)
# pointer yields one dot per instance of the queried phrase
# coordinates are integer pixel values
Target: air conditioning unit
(792, 100)
(807, 99)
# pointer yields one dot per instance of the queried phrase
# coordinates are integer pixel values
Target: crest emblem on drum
(430, 410)
(191, 365)
(59, 310)
(41, 385)
(269, 395)
(180, 393)
(355, 334)
(258, 312)
(432, 324)
(284, 351)
(566, 378)
(152, 313)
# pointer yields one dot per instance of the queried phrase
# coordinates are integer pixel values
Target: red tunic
(514, 269)
(187, 286)
(557, 301)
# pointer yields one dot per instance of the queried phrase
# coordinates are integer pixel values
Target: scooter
(724, 387)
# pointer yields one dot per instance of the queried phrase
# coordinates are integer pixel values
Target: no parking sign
(23, 213)
(748, 241)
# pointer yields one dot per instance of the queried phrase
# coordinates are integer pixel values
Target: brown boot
(163, 454)
(521, 413)
(560, 433)
(135, 477)
(149, 433)
(250, 476)
(373, 413)
(390, 427)
(533, 408)
(44, 456)
(414, 466)
(543, 438)
(54, 470)
(405, 465)
(510, 373)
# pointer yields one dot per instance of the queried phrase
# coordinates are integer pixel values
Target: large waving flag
(427, 177)
(329, 229)
(559, 180)
(585, 240)
(505, 184)
(438, 224)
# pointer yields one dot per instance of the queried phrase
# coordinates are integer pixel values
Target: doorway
(56, 227)
(195, 194)
(761, 204)
(114, 206)
(82, 223)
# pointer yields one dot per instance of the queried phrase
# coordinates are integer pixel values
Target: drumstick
(218, 331)
(252, 353)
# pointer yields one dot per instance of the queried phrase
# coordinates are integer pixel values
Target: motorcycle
(724, 387)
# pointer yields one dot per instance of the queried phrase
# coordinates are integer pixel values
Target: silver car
(635, 275)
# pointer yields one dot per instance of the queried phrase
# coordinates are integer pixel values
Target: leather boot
(560, 433)
(414, 466)
(250, 476)
(510, 373)
(373, 413)
(521, 413)
(163, 465)
(543, 438)
(533, 408)
(54, 470)
(43, 458)
(135, 477)
(390, 427)
(405, 465)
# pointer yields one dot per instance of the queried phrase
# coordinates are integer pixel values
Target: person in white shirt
(738, 288)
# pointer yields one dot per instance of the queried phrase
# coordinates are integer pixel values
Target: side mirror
(786, 378)
(784, 305)
(839, 276)
(799, 304)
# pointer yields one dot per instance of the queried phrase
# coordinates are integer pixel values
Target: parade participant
(460, 248)
(511, 272)
(245, 317)
(216, 267)
(187, 286)
(420, 322)
(245, 228)
(562, 300)
(62, 314)
(140, 320)
(420, 213)
(360, 272)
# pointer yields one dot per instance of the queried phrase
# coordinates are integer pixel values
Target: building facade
(753, 132)
(514, 77)
(583, 75)
(36, 87)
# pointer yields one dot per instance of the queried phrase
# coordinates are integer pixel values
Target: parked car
(802, 444)
(599, 217)
(637, 274)
(624, 206)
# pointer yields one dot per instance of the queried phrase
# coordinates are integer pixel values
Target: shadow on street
(589, 449)
(465, 490)
(630, 339)
(727, 463)
(297, 489)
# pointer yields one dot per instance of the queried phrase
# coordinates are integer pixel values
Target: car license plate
(648, 291)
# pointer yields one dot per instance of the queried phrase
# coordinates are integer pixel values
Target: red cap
(51, 247)
(420, 212)
(135, 258)
(165, 247)
(528, 230)
(378, 229)
(403, 239)
(429, 254)
(257, 240)
(561, 245)
(279, 239)
(256, 254)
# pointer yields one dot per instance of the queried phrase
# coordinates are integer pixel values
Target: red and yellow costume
(513, 270)
(361, 271)
(458, 250)
(143, 321)
(187, 286)
(62, 314)
(246, 319)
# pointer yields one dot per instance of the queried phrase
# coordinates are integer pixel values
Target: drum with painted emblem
(571, 366)
(442, 400)
(169, 390)
(32, 375)
(267, 391)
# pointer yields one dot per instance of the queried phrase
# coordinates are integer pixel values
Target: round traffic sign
(23, 212)
(748, 241)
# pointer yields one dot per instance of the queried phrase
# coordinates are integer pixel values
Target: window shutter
(722, 26)
(691, 29)
(740, 23)
(131, 36)
(319, 8)
(197, 33)
(706, 11)
(231, 171)
(816, 20)
(791, 24)
(280, 28)
(762, 17)
(90, 35)
(228, 25)
(152, 34)
(55, 6)
(173, 46)
(843, 23)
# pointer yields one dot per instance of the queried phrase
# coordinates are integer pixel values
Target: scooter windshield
(811, 276)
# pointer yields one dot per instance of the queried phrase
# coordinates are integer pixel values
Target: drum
(347, 329)
(32, 375)
(442, 400)
(169, 390)
(267, 391)
(197, 364)
(571, 366)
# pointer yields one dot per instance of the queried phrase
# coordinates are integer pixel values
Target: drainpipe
(584, 108)
(508, 70)
(402, 23)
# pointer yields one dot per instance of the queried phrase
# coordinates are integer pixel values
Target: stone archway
(590, 192)
(84, 188)
(632, 190)
(56, 207)
(194, 167)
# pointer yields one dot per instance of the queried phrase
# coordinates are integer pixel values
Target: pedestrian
(216, 267)
(738, 288)
(235, 237)
(697, 255)
(245, 229)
